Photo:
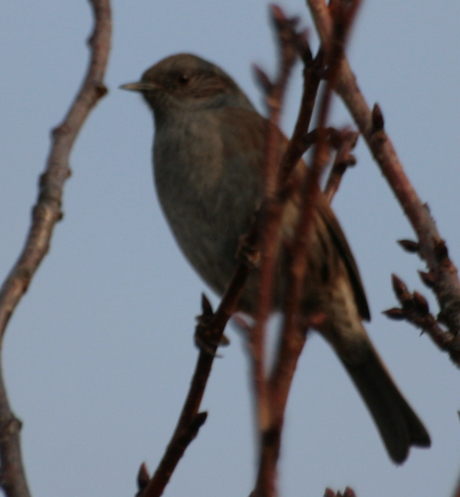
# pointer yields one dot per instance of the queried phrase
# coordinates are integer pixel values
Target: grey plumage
(208, 158)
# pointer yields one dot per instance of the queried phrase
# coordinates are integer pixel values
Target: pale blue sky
(99, 353)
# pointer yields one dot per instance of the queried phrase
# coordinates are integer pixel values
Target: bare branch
(293, 334)
(457, 490)
(312, 74)
(346, 141)
(272, 208)
(212, 327)
(45, 214)
(371, 124)
(348, 493)
(415, 310)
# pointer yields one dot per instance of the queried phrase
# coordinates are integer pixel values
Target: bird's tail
(399, 426)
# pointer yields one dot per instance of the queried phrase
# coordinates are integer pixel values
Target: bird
(208, 161)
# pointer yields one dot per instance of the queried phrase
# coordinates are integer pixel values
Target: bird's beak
(139, 86)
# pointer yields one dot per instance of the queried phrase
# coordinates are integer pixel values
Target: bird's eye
(183, 79)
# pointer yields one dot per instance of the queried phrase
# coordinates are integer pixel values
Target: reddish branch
(209, 334)
(288, 42)
(348, 493)
(344, 141)
(432, 248)
(210, 330)
(272, 208)
(45, 214)
(293, 333)
(211, 326)
(457, 490)
(415, 310)
(312, 75)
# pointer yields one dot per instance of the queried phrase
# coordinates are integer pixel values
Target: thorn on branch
(281, 21)
(277, 14)
(414, 303)
(289, 36)
(206, 336)
(420, 304)
(416, 311)
(263, 79)
(348, 493)
(285, 28)
(101, 90)
(206, 307)
(378, 123)
(440, 251)
(303, 47)
(196, 423)
(143, 478)
(395, 313)
(343, 141)
(409, 246)
(429, 279)
(400, 289)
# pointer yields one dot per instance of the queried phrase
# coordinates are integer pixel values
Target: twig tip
(378, 122)
(420, 304)
(263, 79)
(395, 313)
(400, 288)
(143, 477)
(206, 307)
(409, 246)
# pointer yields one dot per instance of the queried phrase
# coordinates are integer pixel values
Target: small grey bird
(208, 165)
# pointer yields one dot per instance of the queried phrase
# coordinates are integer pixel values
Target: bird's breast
(200, 191)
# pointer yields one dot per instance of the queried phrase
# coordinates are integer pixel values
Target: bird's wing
(255, 141)
(343, 248)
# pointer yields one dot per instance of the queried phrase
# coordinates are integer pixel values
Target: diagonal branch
(190, 420)
(433, 249)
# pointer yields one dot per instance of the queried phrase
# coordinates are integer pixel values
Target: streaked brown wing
(254, 141)
(343, 248)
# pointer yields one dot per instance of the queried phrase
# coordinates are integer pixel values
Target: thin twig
(213, 329)
(415, 310)
(190, 420)
(45, 215)
(272, 208)
(293, 334)
(370, 123)
(348, 493)
(343, 160)
(288, 47)
(211, 326)
(457, 490)
(312, 74)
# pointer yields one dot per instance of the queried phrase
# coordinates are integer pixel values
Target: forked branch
(432, 248)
